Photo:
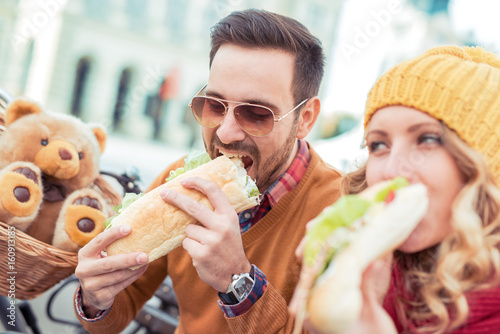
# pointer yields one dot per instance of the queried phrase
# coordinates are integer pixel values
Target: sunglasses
(254, 119)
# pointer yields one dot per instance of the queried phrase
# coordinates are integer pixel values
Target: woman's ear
(308, 116)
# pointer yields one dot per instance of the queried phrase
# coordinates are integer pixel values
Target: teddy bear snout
(65, 154)
(59, 159)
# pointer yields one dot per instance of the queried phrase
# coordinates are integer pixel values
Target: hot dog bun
(158, 228)
(331, 299)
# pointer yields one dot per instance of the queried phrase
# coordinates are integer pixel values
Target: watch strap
(228, 298)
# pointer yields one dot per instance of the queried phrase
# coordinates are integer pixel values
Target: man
(274, 63)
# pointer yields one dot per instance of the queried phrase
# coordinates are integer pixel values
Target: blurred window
(176, 18)
(431, 6)
(27, 65)
(121, 98)
(211, 17)
(315, 16)
(3, 35)
(81, 78)
(136, 11)
(98, 9)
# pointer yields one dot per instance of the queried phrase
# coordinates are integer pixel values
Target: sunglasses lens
(208, 112)
(255, 120)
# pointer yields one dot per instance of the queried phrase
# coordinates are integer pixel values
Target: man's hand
(215, 246)
(102, 277)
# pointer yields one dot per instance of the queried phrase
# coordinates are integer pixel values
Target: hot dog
(158, 227)
(342, 241)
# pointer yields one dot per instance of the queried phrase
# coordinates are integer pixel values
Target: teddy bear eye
(80, 155)
(44, 142)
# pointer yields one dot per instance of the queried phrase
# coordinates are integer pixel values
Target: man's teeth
(237, 159)
(231, 155)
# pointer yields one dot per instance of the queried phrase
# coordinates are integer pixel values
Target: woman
(435, 120)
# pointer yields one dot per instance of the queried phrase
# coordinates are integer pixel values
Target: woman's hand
(374, 286)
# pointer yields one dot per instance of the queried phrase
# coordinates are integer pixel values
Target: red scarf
(484, 308)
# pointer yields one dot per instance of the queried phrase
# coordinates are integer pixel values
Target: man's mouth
(246, 160)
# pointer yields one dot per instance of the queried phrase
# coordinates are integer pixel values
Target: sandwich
(158, 227)
(342, 241)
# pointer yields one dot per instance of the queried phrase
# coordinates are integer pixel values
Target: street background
(134, 65)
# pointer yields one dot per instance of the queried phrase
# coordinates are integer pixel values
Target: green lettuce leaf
(128, 199)
(251, 188)
(194, 159)
(340, 214)
(396, 183)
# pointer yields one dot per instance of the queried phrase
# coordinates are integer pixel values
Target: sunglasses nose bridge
(229, 129)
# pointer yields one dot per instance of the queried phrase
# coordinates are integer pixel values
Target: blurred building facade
(132, 65)
(373, 40)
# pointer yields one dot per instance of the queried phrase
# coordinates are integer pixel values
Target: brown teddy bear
(48, 162)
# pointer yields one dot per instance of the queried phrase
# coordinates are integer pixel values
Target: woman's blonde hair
(468, 259)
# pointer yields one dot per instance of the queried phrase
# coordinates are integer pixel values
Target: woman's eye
(376, 145)
(430, 139)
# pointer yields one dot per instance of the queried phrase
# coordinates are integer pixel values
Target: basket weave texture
(37, 266)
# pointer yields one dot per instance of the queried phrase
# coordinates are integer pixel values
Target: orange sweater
(270, 245)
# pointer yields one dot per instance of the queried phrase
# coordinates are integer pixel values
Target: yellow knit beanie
(458, 85)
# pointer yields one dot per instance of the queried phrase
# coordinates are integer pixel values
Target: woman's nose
(401, 162)
(229, 130)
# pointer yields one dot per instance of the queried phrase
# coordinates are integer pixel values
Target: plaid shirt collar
(287, 182)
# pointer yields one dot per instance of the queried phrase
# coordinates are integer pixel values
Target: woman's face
(403, 141)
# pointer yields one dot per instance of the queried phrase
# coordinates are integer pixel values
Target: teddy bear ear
(20, 108)
(100, 134)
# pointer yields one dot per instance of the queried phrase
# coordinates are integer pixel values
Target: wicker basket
(38, 266)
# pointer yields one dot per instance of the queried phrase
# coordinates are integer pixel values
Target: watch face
(243, 287)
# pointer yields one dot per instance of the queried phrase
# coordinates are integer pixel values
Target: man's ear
(308, 116)
(19, 108)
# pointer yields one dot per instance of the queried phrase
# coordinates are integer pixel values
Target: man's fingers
(186, 204)
(214, 193)
(107, 280)
(110, 264)
(101, 291)
(198, 233)
(102, 240)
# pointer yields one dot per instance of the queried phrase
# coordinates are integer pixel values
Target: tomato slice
(390, 196)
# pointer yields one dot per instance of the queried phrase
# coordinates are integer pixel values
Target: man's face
(259, 76)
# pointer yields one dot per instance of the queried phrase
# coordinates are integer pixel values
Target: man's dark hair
(262, 29)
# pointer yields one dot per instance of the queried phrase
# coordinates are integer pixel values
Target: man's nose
(229, 131)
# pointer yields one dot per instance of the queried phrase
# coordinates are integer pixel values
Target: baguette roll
(158, 227)
(343, 241)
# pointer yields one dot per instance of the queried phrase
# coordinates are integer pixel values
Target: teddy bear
(48, 162)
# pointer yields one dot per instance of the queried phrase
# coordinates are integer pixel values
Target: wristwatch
(239, 288)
